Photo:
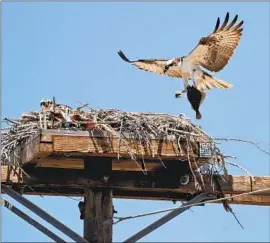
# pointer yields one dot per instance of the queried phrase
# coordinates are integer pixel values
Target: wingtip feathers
(226, 27)
(225, 21)
(217, 25)
(123, 56)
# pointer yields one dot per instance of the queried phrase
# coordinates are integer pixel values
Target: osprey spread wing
(154, 65)
(212, 52)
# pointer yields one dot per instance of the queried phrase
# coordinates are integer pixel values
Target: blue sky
(69, 50)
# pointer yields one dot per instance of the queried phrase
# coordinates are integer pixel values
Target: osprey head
(45, 104)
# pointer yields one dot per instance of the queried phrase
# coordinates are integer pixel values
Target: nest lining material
(117, 123)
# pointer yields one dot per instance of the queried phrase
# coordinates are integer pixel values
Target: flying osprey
(212, 52)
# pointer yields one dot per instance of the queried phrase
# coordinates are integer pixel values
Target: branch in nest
(242, 168)
(225, 202)
(256, 144)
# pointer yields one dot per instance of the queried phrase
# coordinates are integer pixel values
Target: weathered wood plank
(134, 180)
(135, 185)
(96, 134)
(253, 200)
(241, 184)
(117, 165)
(66, 163)
(110, 146)
(130, 165)
(30, 149)
(34, 150)
(10, 175)
(259, 200)
(48, 143)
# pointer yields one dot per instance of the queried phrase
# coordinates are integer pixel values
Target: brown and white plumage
(46, 104)
(58, 109)
(204, 80)
(213, 52)
(154, 65)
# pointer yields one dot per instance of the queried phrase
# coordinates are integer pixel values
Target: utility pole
(98, 213)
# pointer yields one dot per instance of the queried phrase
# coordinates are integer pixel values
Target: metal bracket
(31, 221)
(44, 215)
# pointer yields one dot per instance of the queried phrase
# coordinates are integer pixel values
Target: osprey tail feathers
(210, 82)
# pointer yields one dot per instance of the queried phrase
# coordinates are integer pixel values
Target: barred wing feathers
(214, 51)
(153, 65)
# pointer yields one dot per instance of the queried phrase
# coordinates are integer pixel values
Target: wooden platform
(68, 150)
(65, 163)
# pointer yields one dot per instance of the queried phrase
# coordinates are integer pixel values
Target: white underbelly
(185, 74)
(187, 69)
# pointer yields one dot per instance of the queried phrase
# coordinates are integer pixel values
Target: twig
(194, 161)
(244, 141)
(11, 121)
(184, 132)
(119, 140)
(242, 168)
(197, 184)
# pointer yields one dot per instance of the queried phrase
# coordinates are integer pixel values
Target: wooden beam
(259, 200)
(34, 150)
(98, 213)
(252, 200)
(117, 165)
(255, 200)
(64, 163)
(53, 146)
(130, 180)
(133, 185)
(110, 147)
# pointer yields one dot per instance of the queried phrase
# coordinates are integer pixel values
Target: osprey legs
(178, 94)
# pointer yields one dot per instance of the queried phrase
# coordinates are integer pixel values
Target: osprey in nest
(213, 53)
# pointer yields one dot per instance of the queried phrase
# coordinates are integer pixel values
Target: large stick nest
(120, 124)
